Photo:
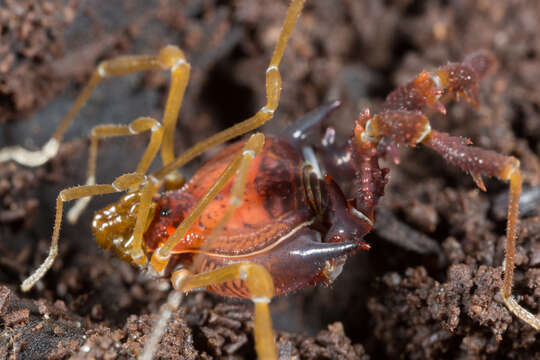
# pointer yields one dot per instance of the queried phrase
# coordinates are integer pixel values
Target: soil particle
(15, 317)
(332, 344)
(16, 185)
(30, 330)
(32, 37)
(438, 309)
(128, 341)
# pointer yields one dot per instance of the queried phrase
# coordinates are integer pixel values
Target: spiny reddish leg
(480, 162)
(370, 176)
(402, 122)
(455, 79)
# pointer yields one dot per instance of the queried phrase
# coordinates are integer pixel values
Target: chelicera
(268, 215)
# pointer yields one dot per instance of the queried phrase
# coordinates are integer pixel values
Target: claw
(478, 180)
(470, 96)
(388, 149)
(437, 105)
(483, 62)
(300, 129)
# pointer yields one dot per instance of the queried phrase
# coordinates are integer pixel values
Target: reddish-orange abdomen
(271, 206)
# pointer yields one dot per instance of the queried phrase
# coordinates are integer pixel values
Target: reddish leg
(412, 127)
(457, 80)
(478, 162)
(371, 179)
(403, 122)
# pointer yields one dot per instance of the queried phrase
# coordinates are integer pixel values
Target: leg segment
(480, 162)
(237, 193)
(411, 127)
(121, 183)
(261, 289)
(273, 90)
(170, 57)
(253, 146)
(457, 80)
(161, 256)
(106, 131)
(371, 179)
(179, 277)
(173, 302)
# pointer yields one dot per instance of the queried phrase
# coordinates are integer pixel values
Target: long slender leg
(236, 198)
(170, 57)
(273, 90)
(412, 127)
(137, 126)
(161, 256)
(261, 290)
(478, 162)
(264, 334)
(121, 183)
(174, 299)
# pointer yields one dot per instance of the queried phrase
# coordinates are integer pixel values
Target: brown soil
(429, 286)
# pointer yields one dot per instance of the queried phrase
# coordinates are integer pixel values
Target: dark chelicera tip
(301, 129)
(310, 254)
(347, 224)
(320, 252)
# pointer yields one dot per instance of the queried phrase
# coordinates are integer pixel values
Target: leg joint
(171, 56)
(259, 281)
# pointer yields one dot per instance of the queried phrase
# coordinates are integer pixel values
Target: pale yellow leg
(121, 183)
(161, 256)
(135, 247)
(273, 90)
(513, 174)
(107, 131)
(235, 200)
(170, 57)
(179, 277)
(261, 290)
(263, 328)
